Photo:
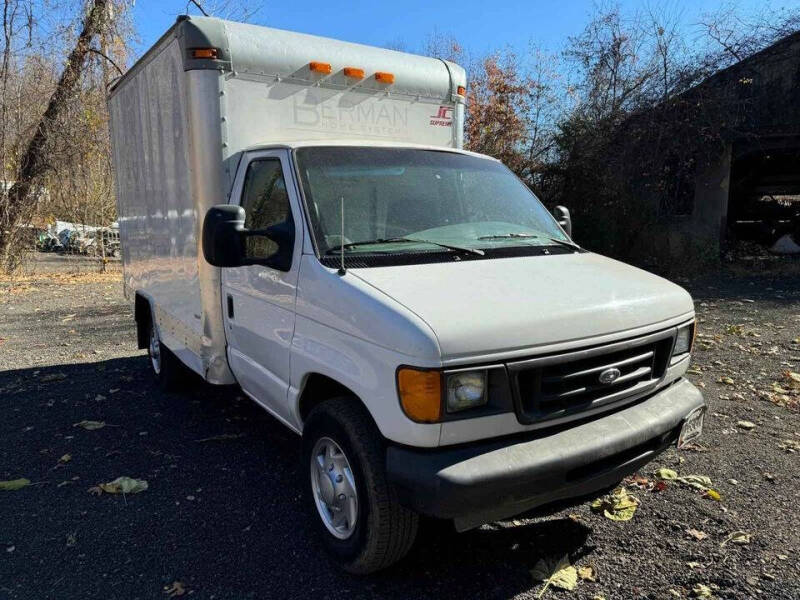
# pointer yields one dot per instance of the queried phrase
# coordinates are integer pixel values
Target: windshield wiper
(396, 240)
(566, 243)
(511, 236)
(505, 236)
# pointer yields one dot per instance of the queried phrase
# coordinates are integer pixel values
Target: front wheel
(358, 516)
(166, 367)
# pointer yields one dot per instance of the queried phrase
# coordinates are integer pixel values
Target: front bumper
(487, 481)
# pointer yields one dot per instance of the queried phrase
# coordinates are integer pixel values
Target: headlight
(684, 340)
(421, 392)
(465, 390)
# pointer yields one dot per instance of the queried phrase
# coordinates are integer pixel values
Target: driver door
(259, 301)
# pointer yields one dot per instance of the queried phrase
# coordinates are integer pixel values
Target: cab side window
(266, 203)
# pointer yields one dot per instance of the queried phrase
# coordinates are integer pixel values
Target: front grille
(563, 386)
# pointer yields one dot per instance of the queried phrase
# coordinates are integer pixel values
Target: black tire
(384, 530)
(169, 372)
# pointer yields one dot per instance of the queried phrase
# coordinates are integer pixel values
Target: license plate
(692, 427)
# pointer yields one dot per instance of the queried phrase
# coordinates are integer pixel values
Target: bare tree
(235, 10)
(34, 163)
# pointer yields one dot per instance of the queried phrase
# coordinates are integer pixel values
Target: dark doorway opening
(764, 199)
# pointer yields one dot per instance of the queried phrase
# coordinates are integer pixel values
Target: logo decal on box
(443, 118)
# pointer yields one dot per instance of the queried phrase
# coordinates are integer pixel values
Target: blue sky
(479, 25)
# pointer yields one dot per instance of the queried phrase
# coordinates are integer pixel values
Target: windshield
(401, 200)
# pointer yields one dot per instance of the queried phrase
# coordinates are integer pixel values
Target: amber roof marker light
(320, 67)
(207, 53)
(353, 72)
(384, 77)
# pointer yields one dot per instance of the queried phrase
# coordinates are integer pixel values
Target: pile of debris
(77, 238)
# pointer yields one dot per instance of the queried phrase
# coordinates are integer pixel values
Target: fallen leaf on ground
(738, 537)
(748, 425)
(221, 437)
(695, 447)
(14, 484)
(697, 534)
(90, 425)
(790, 446)
(121, 485)
(558, 573)
(65, 459)
(793, 377)
(701, 482)
(726, 380)
(701, 591)
(53, 377)
(587, 572)
(666, 474)
(176, 588)
(713, 494)
(619, 505)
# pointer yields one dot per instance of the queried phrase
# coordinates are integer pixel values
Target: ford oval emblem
(609, 376)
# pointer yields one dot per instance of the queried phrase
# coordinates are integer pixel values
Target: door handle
(230, 306)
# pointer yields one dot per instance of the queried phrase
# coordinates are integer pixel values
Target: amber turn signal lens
(461, 90)
(420, 394)
(204, 53)
(384, 77)
(354, 72)
(320, 67)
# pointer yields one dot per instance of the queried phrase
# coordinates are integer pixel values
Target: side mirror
(225, 240)
(222, 236)
(561, 213)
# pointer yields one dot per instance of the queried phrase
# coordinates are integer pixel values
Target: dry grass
(109, 276)
(25, 284)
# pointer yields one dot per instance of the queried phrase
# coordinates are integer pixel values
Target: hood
(502, 305)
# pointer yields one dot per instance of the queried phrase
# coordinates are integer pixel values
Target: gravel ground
(224, 517)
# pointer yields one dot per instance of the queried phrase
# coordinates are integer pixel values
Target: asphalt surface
(226, 518)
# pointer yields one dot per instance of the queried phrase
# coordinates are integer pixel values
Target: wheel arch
(143, 315)
(318, 388)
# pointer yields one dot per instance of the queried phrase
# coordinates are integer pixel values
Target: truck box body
(179, 126)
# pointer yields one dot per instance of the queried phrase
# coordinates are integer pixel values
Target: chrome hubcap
(155, 351)
(334, 488)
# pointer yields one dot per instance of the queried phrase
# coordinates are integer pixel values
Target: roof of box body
(256, 51)
(291, 145)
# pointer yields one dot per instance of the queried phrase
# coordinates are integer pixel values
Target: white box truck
(298, 217)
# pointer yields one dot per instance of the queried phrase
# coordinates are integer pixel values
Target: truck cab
(411, 309)
(499, 365)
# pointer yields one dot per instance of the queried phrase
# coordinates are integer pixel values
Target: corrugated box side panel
(157, 215)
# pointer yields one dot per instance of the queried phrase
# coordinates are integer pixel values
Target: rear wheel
(358, 516)
(166, 367)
